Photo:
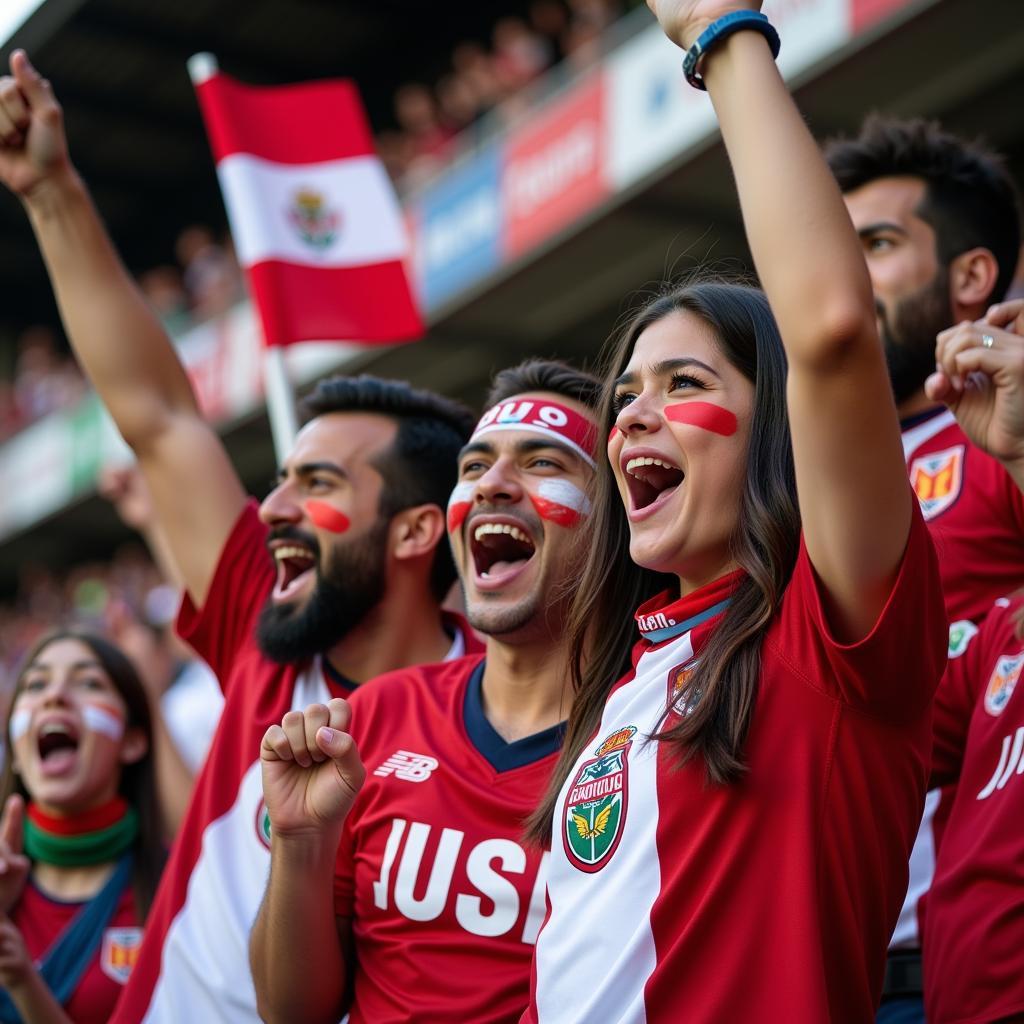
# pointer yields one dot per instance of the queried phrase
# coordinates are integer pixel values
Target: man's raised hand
(980, 376)
(311, 770)
(32, 143)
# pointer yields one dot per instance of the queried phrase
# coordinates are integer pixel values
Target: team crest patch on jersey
(1003, 682)
(119, 952)
(937, 479)
(263, 823)
(960, 636)
(680, 700)
(595, 807)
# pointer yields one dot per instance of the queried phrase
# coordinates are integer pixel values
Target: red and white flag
(314, 218)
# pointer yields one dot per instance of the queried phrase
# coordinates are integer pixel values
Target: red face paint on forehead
(327, 517)
(704, 415)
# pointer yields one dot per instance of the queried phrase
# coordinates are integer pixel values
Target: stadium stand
(600, 175)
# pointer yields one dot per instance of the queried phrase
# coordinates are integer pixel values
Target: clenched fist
(311, 770)
(32, 143)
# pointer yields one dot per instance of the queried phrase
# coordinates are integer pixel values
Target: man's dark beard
(908, 335)
(346, 590)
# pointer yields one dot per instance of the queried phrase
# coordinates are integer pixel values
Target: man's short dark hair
(970, 200)
(420, 467)
(549, 375)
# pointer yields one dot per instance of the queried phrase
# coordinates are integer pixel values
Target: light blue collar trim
(674, 629)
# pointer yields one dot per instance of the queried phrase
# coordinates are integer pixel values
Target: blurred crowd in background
(432, 122)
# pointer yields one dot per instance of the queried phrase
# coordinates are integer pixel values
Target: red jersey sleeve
(241, 582)
(893, 671)
(954, 702)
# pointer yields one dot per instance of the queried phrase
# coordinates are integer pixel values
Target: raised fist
(311, 770)
(32, 143)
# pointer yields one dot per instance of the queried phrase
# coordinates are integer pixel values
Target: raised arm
(299, 953)
(117, 339)
(855, 501)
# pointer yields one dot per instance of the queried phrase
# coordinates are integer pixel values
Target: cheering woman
(732, 815)
(80, 850)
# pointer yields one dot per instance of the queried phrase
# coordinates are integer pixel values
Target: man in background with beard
(351, 586)
(939, 221)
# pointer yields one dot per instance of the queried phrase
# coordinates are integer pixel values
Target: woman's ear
(134, 746)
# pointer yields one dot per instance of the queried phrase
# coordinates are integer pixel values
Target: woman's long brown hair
(138, 780)
(611, 586)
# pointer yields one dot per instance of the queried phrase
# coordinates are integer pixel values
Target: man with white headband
(400, 887)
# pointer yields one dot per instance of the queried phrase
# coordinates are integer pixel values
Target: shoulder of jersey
(433, 679)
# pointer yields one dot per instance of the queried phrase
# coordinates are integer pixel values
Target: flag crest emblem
(317, 225)
(120, 952)
(595, 807)
(937, 479)
(1003, 682)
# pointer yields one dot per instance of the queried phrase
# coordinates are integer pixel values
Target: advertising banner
(554, 167)
(458, 228)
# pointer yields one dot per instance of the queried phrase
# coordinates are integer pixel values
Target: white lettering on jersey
(407, 766)
(441, 872)
(380, 887)
(493, 885)
(1009, 759)
(487, 866)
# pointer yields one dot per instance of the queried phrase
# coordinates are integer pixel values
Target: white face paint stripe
(20, 721)
(103, 720)
(564, 493)
(461, 494)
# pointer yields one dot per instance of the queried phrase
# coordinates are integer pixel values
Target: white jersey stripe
(589, 988)
(916, 436)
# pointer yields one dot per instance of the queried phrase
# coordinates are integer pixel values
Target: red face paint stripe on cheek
(327, 517)
(611, 434)
(560, 502)
(704, 415)
(459, 505)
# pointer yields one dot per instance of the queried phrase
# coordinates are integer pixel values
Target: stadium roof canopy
(118, 67)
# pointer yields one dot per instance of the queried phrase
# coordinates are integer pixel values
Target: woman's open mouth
(58, 748)
(651, 481)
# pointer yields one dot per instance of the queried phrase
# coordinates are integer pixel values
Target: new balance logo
(407, 766)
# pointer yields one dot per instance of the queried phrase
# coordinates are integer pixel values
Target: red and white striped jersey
(772, 898)
(194, 961)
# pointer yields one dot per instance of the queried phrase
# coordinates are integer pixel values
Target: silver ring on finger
(987, 341)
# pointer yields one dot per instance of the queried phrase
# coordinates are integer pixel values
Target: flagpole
(277, 385)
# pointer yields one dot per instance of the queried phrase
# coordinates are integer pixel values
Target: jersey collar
(660, 619)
